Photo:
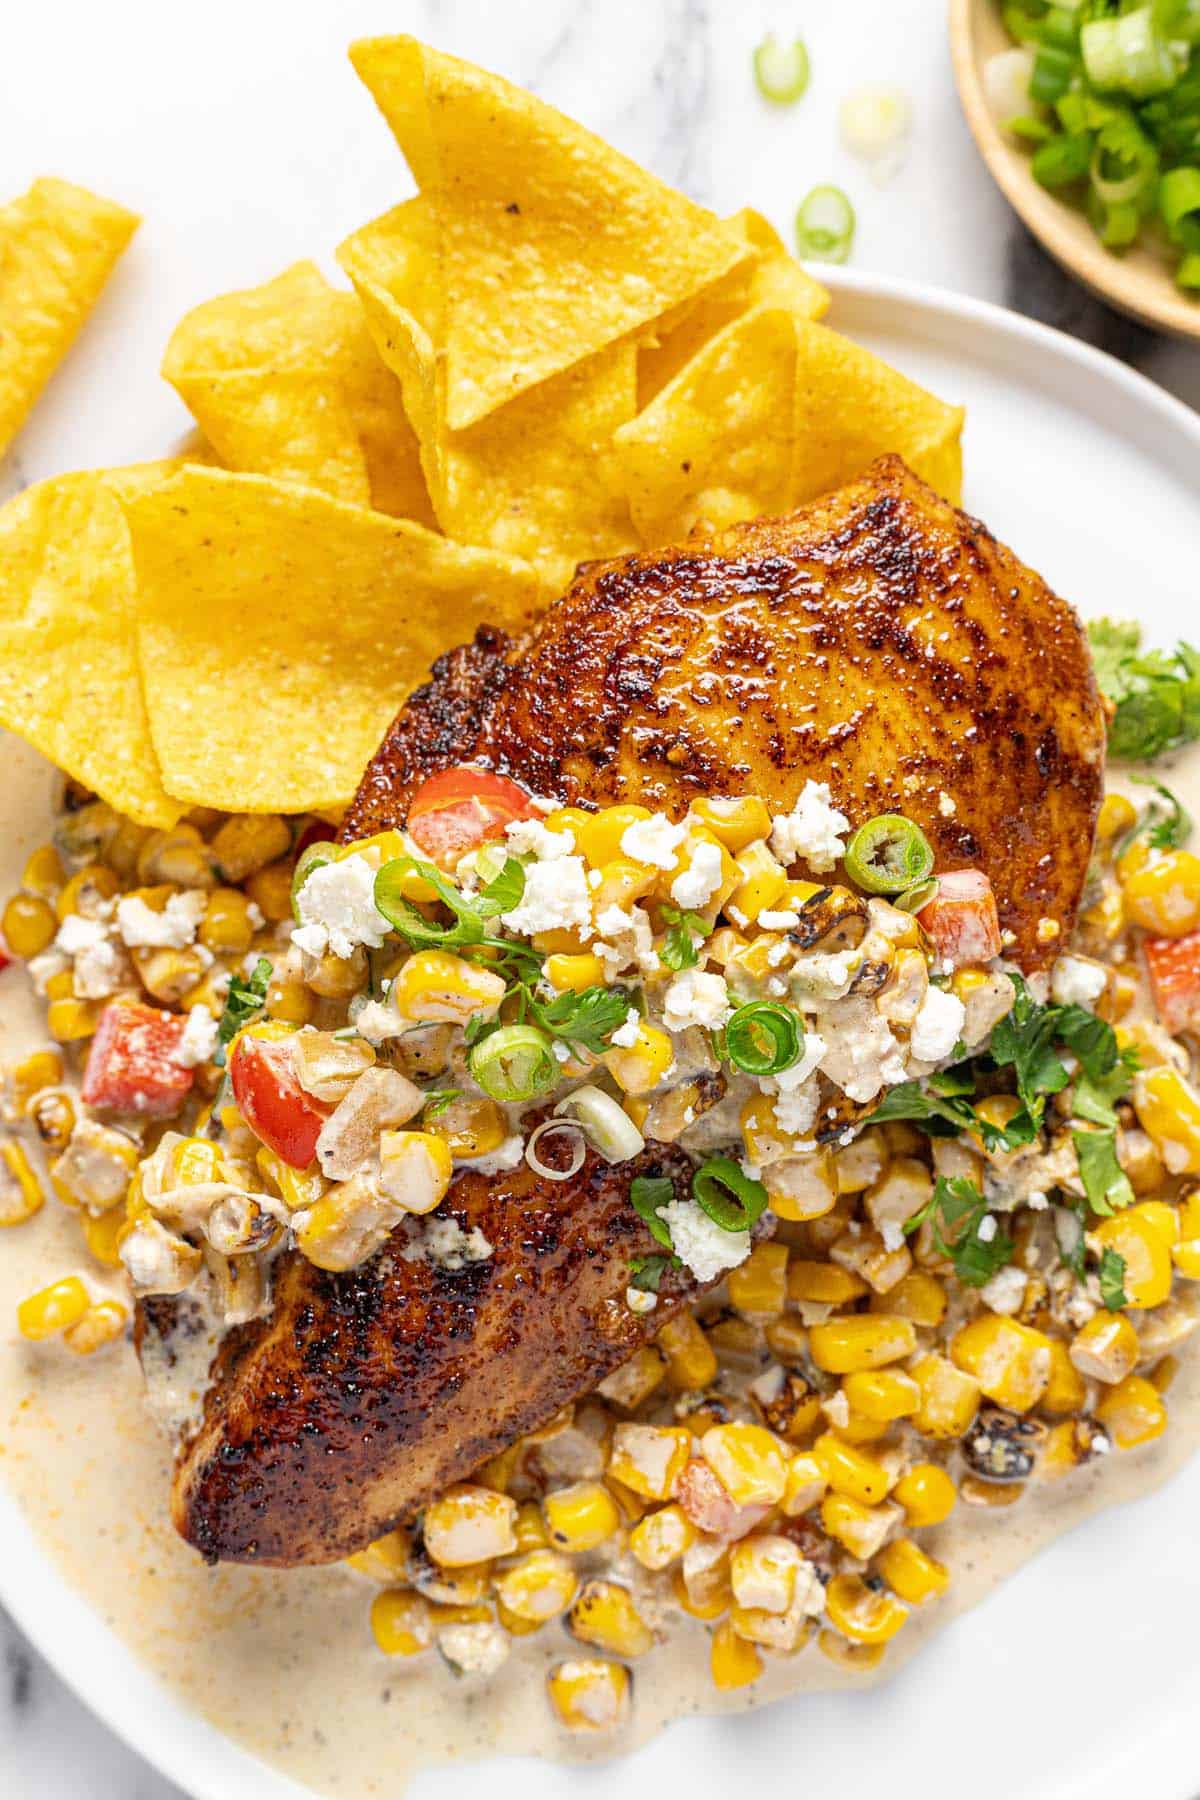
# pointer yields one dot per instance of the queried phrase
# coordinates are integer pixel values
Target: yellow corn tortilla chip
(716, 444)
(285, 380)
(552, 244)
(852, 407)
(279, 630)
(69, 679)
(58, 247)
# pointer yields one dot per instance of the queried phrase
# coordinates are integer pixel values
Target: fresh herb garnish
(648, 1194)
(587, 1019)
(1112, 1281)
(1096, 1095)
(472, 912)
(1104, 1180)
(940, 1107)
(678, 949)
(437, 1100)
(1157, 694)
(243, 1002)
(956, 1213)
(1166, 824)
(1075, 1258)
(646, 1272)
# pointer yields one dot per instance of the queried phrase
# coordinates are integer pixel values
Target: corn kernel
(762, 881)
(758, 1287)
(469, 1524)
(1106, 1348)
(589, 1694)
(866, 1253)
(270, 889)
(1117, 816)
(53, 1309)
(882, 1394)
(401, 1623)
(733, 1661)
(43, 873)
(540, 1586)
(1168, 1110)
(859, 1528)
(661, 1537)
(860, 1164)
(927, 1495)
(1011, 1362)
(70, 1021)
(846, 1655)
(53, 1116)
(691, 1361)
(598, 835)
(1162, 895)
(572, 974)
(21, 1193)
(824, 1283)
(736, 823)
(100, 1325)
(415, 1169)
(1132, 1412)
(807, 1483)
(580, 1516)
(642, 1065)
(850, 1472)
(708, 1606)
(863, 1341)
(28, 924)
(949, 1397)
(289, 1000)
(650, 1458)
(247, 842)
(605, 1614)
(918, 1296)
(168, 975)
(622, 882)
(910, 1573)
(1066, 1390)
(434, 985)
(386, 1559)
(861, 1613)
(41, 1069)
(226, 924)
(86, 892)
(1144, 1251)
(762, 1572)
(748, 1461)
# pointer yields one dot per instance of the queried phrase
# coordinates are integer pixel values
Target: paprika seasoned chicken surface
(663, 810)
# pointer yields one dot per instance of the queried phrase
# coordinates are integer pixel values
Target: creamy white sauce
(284, 1663)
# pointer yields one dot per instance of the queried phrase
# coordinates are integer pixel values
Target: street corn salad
(952, 1214)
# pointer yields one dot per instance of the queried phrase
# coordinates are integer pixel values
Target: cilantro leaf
(1075, 1258)
(588, 1018)
(1167, 825)
(940, 1107)
(956, 1213)
(1104, 1180)
(1157, 694)
(1024, 1042)
(646, 1272)
(678, 946)
(243, 1002)
(1112, 1281)
(1096, 1095)
(1113, 642)
(648, 1194)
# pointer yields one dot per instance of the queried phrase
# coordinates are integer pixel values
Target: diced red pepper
(961, 919)
(132, 1064)
(1173, 965)
(461, 808)
(271, 1100)
(5, 953)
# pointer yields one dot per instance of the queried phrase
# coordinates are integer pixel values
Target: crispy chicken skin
(878, 640)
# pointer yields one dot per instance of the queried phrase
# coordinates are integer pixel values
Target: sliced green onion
(1022, 24)
(517, 1062)
(873, 122)
(609, 1128)
(1124, 162)
(825, 225)
(1179, 204)
(1053, 72)
(1006, 78)
(888, 854)
(1063, 160)
(1116, 226)
(917, 896)
(781, 71)
(729, 1196)
(763, 1037)
(315, 857)
(1072, 112)
(648, 1194)
(1029, 130)
(1187, 275)
(1128, 55)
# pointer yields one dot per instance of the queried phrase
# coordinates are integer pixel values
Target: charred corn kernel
(1168, 1109)
(927, 1495)
(661, 1537)
(882, 1394)
(761, 1134)
(636, 1379)
(846, 1655)
(29, 924)
(21, 1193)
(691, 1361)
(168, 975)
(859, 1528)
(580, 1516)
(622, 881)
(70, 1021)
(733, 1661)
(270, 889)
(949, 1397)
(918, 1296)
(1106, 1348)
(1163, 894)
(758, 1287)
(53, 1309)
(1117, 816)
(850, 1472)
(1065, 1390)
(52, 1114)
(290, 1001)
(761, 883)
(865, 1341)
(42, 1069)
(540, 1586)
(85, 892)
(1132, 1413)
(415, 1169)
(748, 1461)
(736, 823)
(642, 1066)
(807, 1483)
(100, 1325)
(802, 1188)
(861, 1613)
(435, 985)
(589, 1694)
(401, 1622)
(598, 835)
(1010, 1362)
(860, 1164)
(606, 1615)
(226, 924)
(338, 977)
(95, 1167)
(43, 873)
(1146, 1255)
(823, 1283)
(469, 1126)
(650, 1458)
(386, 1559)
(910, 1573)
(469, 1524)
(571, 974)
(249, 841)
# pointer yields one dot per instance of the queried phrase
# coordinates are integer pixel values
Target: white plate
(1075, 1677)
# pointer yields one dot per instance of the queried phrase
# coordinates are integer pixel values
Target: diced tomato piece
(5, 953)
(961, 918)
(461, 808)
(707, 1503)
(318, 832)
(271, 1100)
(1174, 968)
(132, 1066)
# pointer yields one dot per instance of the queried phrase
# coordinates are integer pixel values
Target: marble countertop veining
(669, 82)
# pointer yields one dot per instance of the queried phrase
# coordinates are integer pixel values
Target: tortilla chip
(58, 247)
(285, 381)
(279, 630)
(774, 278)
(68, 658)
(552, 244)
(716, 443)
(852, 407)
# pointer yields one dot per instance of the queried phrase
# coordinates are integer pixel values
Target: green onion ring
(781, 71)
(732, 1200)
(888, 855)
(825, 225)
(763, 1037)
(315, 857)
(517, 1062)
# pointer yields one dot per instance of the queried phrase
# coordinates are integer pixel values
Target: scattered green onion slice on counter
(315, 857)
(825, 225)
(514, 1063)
(888, 855)
(763, 1037)
(730, 1197)
(781, 71)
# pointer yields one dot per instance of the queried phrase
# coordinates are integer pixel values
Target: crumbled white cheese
(1076, 982)
(700, 1243)
(654, 840)
(824, 975)
(445, 1243)
(626, 1035)
(698, 883)
(198, 1040)
(837, 1409)
(556, 898)
(380, 1019)
(529, 837)
(811, 831)
(505, 1156)
(76, 934)
(627, 941)
(777, 921)
(696, 997)
(769, 1385)
(988, 1228)
(892, 1233)
(1005, 1291)
(937, 1026)
(796, 1097)
(337, 909)
(477, 1648)
(174, 928)
(42, 969)
(862, 1055)
(946, 805)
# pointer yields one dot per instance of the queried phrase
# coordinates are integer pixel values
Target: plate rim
(90, 1658)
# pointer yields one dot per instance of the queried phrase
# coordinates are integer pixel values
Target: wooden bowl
(1139, 281)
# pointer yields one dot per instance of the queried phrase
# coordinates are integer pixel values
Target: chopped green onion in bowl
(781, 71)
(825, 225)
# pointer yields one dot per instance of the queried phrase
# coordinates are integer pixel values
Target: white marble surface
(237, 128)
